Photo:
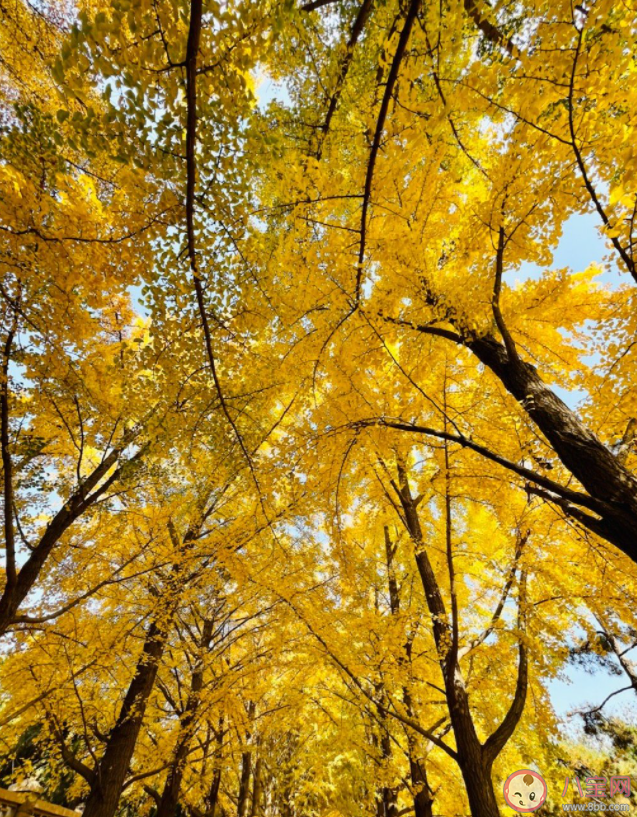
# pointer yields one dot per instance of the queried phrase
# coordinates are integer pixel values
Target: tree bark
(14, 593)
(110, 774)
(600, 472)
(244, 783)
(423, 800)
(256, 808)
(246, 768)
(172, 788)
(474, 759)
(212, 800)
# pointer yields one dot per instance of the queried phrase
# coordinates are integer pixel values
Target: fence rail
(28, 804)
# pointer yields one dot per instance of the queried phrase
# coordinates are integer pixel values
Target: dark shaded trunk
(581, 452)
(423, 801)
(257, 789)
(286, 775)
(246, 767)
(474, 759)
(7, 462)
(474, 765)
(17, 590)
(110, 774)
(386, 796)
(213, 794)
(479, 785)
(244, 784)
(386, 803)
(422, 794)
(172, 789)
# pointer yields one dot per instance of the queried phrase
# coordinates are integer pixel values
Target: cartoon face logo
(525, 790)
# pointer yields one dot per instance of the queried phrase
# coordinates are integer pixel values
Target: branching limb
(621, 250)
(317, 4)
(498, 739)
(357, 30)
(490, 31)
(495, 300)
(7, 461)
(574, 496)
(412, 13)
(192, 53)
(520, 543)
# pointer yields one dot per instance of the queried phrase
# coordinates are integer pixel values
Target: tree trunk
(112, 769)
(474, 759)
(246, 767)
(257, 789)
(213, 795)
(244, 783)
(598, 469)
(172, 789)
(423, 801)
(479, 785)
(386, 803)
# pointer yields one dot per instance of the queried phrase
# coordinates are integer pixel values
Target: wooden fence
(28, 804)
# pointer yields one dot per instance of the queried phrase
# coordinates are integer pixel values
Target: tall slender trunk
(172, 789)
(256, 808)
(286, 805)
(423, 800)
(244, 783)
(246, 768)
(474, 758)
(108, 777)
(213, 794)
(386, 796)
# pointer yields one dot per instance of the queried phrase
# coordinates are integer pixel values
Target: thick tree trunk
(479, 785)
(598, 469)
(386, 803)
(112, 769)
(423, 801)
(213, 796)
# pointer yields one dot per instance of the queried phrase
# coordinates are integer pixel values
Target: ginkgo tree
(437, 153)
(300, 513)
